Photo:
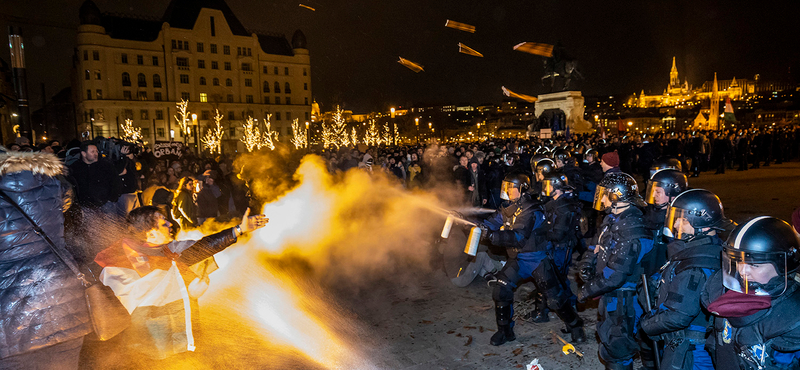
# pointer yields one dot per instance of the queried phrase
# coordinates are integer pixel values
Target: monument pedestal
(569, 102)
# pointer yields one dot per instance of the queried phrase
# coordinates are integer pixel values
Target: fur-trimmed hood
(38, 163)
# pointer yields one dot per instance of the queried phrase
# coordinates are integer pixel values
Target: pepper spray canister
(472, 242)
(448, 224)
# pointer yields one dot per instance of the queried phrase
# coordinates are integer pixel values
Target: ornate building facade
(685, 96)
(139, 68)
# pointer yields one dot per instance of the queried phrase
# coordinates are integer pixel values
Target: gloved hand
(586, 267)
(486, 234)
(582, 295)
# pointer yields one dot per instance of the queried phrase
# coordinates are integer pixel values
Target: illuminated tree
(268, 136)
(372, 136)
(299, 136)
(339, 128)
(396, 135)
(183, 118)
(213, 138)
(387, 134)
(251, 136)
(354, 137)
(130, 133)
(328, 137)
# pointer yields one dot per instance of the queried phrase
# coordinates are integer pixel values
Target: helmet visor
(754, 273)
(547, 188)
(655, 194)
(599, 194)
(678, 223)
(507, 190)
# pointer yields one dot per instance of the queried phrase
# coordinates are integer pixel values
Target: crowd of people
(554, 198)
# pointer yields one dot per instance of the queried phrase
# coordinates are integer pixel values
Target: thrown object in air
(464, 49)
(411, 65)
(545, 50)
(472, 242)
(460, 26)
(527, 98)
(307, 7)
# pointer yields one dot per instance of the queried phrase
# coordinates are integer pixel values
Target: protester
(149, 258)
(42, 305)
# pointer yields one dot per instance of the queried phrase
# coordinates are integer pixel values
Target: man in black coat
(96, 180)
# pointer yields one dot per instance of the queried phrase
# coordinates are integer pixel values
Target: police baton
(649, 309)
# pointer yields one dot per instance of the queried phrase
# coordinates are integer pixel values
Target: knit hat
(611, 159)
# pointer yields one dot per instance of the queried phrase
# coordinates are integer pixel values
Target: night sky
(622, 46)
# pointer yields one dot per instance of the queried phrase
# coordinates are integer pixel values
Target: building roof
(277, 45)
(179, 14)
(184, 13)
(129, 28)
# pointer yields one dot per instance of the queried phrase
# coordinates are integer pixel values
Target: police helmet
(616, 187)
(699, 208)
(544, 166)
(562, 155)
(535, 161)
(672, 182)
(663, 162)
(516, 180)
(760, 256)
(591, 152)
(554, 181)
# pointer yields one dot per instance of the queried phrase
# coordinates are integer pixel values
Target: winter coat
(41, 300)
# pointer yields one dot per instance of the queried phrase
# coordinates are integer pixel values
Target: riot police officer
(694, 218)
(561, 235)
(664, 185)
(541, 166)
(510, 229)
(665, 162)
(754, 298)
(566, 163)
(613, 271)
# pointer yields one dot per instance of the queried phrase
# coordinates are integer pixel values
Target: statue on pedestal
(560, 64)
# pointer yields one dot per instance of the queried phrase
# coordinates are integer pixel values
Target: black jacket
(96, 183)
(41, 301)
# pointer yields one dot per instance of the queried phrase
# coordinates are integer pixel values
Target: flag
(545, 50)
(411, 65)
(729, 116)
(464, 49)
(509, 93)
(460, 26)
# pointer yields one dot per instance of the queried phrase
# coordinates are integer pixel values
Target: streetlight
(308, 137)
(416, 122)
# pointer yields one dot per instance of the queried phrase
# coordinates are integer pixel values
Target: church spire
(673, 75)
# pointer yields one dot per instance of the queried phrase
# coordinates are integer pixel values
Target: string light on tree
(396, 135)
(268, 137)
(354, 137)
(213, 138)
(328, 137)
(372, 136)
(129, 132)
(339, 127)
(299, 137)
(387, 134)
(251, 135)
(183, 118)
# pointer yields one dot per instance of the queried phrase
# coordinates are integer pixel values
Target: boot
(574, 323)
(540, 313)
(505, 329)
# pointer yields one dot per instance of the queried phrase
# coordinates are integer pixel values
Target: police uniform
(510, 229)
(561, 235)
(623, 242)
(768, 339)
(677, 318)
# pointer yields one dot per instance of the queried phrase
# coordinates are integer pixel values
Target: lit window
(203, 98)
